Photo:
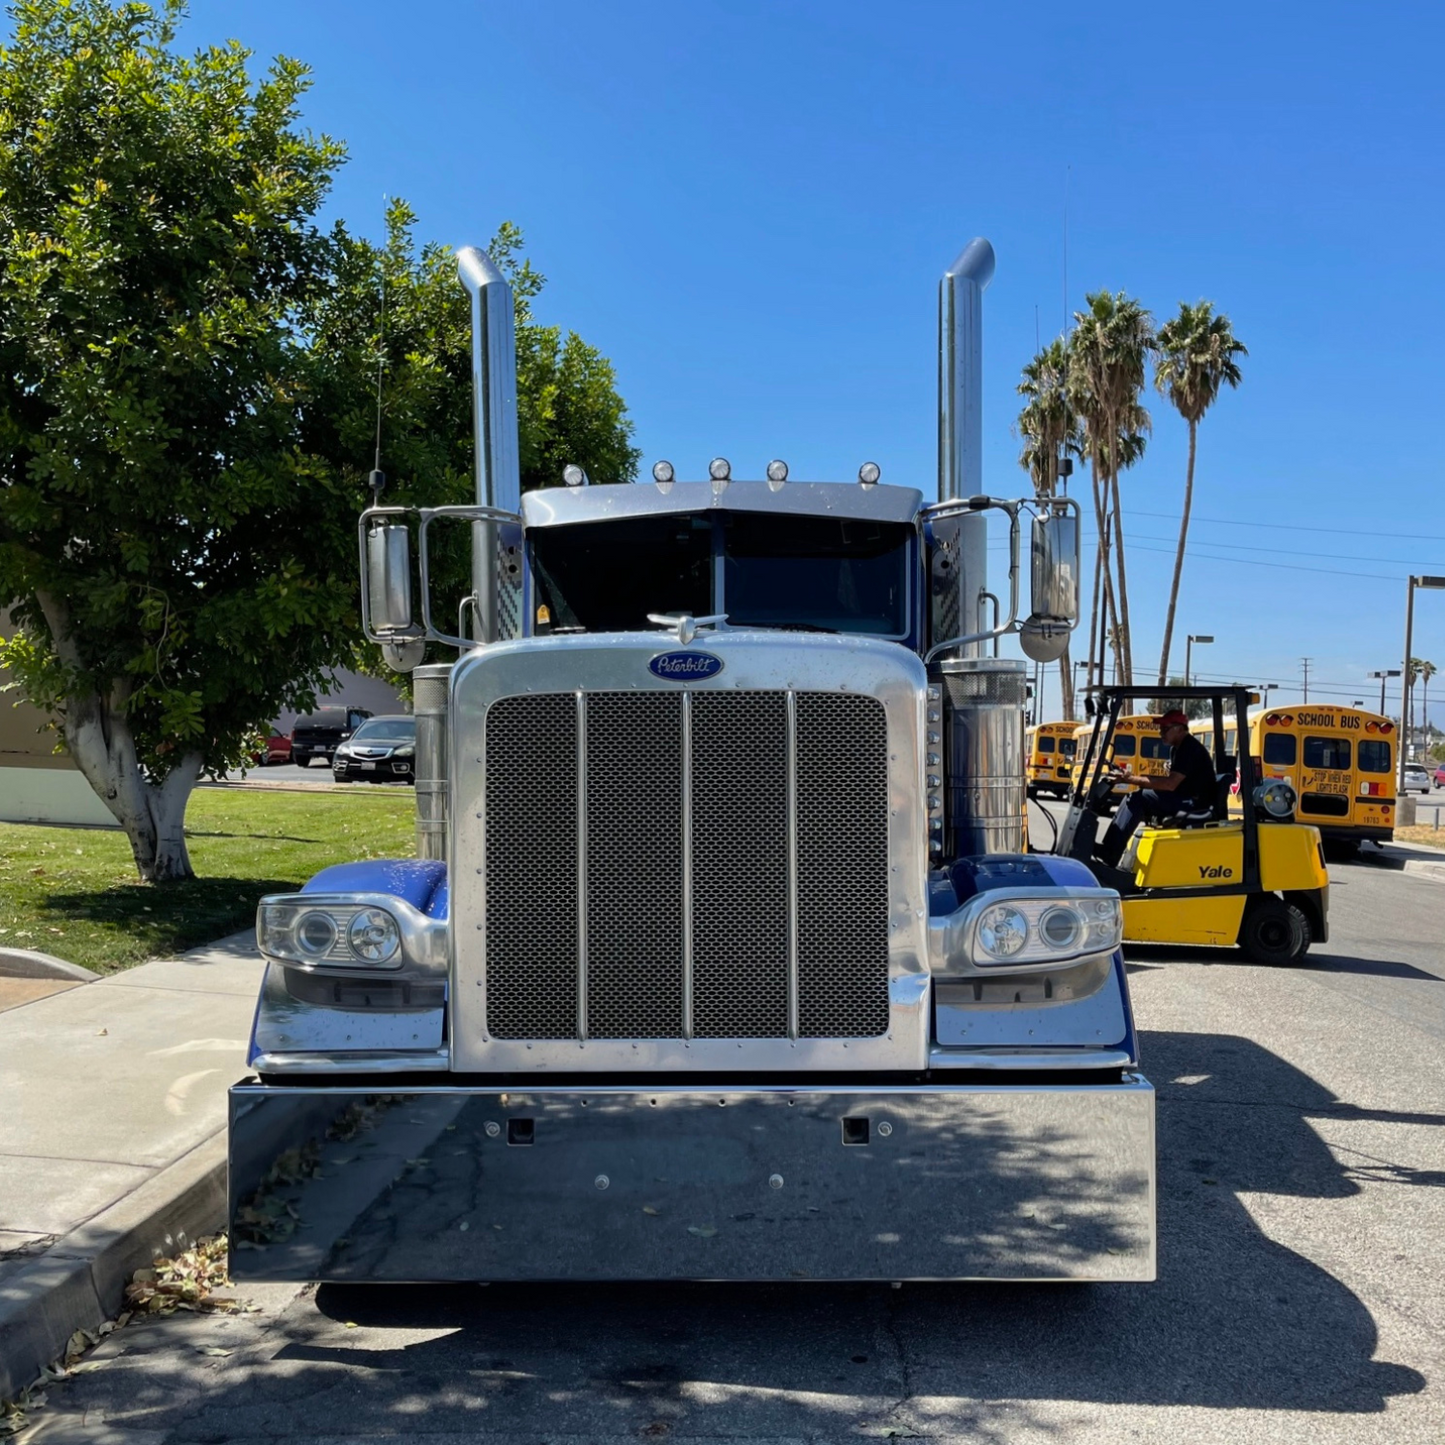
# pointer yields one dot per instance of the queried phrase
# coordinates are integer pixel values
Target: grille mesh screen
(532, 867)
(634, 860)
(634, 885)
(842, 866)
(740, 865)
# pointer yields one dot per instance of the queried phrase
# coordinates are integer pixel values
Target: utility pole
(1307, 661)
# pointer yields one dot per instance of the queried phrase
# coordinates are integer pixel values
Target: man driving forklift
(1188, 787)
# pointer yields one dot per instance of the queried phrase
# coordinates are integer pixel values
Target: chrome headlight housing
(1025, 929)
(357, 932)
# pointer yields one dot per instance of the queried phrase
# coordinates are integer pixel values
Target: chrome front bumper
(1035, 1181)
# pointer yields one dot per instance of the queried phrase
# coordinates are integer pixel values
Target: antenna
(377, 480)
(1067, 169)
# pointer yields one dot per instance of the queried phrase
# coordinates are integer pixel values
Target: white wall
(353, 689)
(50, 795)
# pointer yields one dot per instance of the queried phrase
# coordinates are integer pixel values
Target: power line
(1295, 552)
(1292, 526)
(1281, 566)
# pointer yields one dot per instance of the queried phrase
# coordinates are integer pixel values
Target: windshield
(816, 573)
(386, 730)
(607, 576)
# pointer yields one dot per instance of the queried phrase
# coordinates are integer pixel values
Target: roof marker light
(720, 469)
(777, 474)
(663, 475)
(573, 475)
(869, 473)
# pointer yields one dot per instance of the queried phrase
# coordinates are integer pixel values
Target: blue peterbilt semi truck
(723, 956)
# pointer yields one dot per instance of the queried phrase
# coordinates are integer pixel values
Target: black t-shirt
(1192, 758)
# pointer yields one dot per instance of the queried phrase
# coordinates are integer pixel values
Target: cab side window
(1279, 749)
(1374, 756)
(1327, 752)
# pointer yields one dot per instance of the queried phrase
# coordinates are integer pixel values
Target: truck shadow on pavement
(1153, 955)
(1235, 1321)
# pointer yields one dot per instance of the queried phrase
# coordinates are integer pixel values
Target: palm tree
(1420, 671)
(1427, 671)
(1197, 351)
(1108, 357)
(1050, 432)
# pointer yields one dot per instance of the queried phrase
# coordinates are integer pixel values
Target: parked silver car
(1417, 780)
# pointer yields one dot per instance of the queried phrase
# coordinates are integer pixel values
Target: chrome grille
(597, 927)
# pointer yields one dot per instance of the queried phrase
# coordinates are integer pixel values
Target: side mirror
(1054, 586)
(388, 576)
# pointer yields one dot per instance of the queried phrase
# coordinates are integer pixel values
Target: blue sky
(747, 206)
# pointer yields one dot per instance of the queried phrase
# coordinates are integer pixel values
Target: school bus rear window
(1327, 752)
(1374, 756)
(1153, 748)
(1046, 744)
(1279, 749)
(1124, 745)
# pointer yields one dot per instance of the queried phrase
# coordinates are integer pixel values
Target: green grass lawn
(73, 891)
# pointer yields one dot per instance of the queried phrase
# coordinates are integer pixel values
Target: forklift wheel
(1274, 931)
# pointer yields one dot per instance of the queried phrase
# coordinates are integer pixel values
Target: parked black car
(381, 750)
(319, 735)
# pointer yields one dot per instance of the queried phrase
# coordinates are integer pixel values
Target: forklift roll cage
(1107, 704)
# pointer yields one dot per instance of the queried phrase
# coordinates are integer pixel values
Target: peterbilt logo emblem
(685, 666)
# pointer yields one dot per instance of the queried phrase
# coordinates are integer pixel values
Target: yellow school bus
(1339, 760)
(1136, 748)
(1050, 748)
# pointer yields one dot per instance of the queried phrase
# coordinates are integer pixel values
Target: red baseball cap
(1174, 719)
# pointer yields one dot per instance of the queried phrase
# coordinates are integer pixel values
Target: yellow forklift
(1257, 879)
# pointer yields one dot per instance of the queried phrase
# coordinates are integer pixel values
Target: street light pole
(1189, 653)
(1411, 583)
(1389, 672)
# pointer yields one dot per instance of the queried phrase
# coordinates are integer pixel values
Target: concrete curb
(1426, 868)
(78, 1283)
(27, 963)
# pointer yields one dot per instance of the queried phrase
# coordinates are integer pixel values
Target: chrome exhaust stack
(494, 426)
(958, 554)
(960, 371)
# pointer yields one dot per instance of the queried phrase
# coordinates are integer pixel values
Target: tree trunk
(1126, 646)
(99, 739)
(1099, 567)
(1178, 559)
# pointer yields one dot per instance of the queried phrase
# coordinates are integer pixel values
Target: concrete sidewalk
(112, 1135)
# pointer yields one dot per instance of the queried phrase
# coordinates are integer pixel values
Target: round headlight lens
(315, 933)
(373, 935)
(1002, 931)
(1062, 928)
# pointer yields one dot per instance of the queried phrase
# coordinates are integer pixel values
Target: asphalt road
(1301, 1294)
(286, 773)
